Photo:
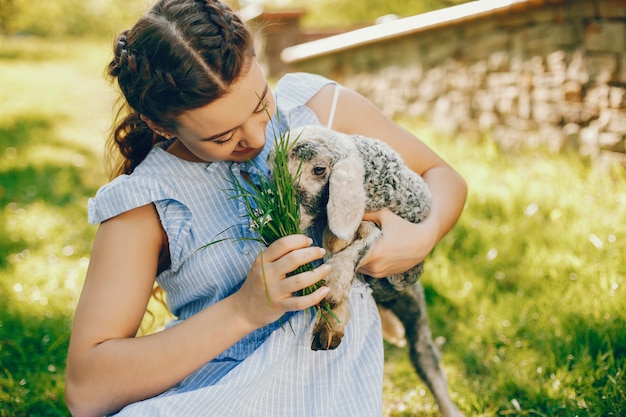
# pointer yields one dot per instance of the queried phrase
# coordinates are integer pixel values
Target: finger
(362, 266)
(373, 216)
(296, 258)
(376, 217)
(284, 290)
(305, 301)
(284, 245)
(368, 262)
(306, 279)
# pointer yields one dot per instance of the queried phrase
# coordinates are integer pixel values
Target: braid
(223, 19)
(181, 55)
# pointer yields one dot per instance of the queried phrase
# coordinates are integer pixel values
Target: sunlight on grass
(66, 82)
(56, 106)
(528, 289)
(54, 256)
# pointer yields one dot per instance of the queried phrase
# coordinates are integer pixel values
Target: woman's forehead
(230, 110)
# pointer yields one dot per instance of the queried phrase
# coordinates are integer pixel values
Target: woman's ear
(346, 198)
(159, 130)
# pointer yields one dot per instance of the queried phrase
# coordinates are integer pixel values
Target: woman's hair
(181, 55)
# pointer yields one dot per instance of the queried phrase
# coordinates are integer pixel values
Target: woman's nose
(252, 136)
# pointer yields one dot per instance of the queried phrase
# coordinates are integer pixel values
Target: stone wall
(543, 73)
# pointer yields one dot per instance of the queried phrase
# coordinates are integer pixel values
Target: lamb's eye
(319, 171)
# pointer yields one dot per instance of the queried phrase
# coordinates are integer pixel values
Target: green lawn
(526, 294)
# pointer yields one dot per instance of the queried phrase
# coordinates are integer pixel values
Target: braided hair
(181, 55)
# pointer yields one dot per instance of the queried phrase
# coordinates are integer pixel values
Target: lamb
(339, 178)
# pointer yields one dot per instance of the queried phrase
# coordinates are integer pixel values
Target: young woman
(198, 108)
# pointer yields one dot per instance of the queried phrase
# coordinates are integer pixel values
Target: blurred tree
(68, 17)
(7, 14)
(332, 13)
(108, 17)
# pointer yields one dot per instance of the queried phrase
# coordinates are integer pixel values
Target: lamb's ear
(346, 200)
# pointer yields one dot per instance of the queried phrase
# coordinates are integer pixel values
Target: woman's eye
(318, 171)
(225, 138)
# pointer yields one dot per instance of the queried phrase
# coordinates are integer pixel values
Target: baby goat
(341, 177)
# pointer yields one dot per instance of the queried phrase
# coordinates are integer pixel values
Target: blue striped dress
(272, 371)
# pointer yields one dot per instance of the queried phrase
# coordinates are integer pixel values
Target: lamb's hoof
(325, 339)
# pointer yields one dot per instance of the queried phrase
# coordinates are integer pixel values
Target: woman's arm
(108, 367)
(357, 115)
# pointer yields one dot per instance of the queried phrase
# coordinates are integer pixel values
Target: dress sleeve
(124, 193)
(128, 192)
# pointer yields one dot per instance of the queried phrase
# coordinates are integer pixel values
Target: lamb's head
(329, 175)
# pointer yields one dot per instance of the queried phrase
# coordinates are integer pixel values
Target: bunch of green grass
(274, 210)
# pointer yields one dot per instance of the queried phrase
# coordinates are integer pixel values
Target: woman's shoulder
(295, 89)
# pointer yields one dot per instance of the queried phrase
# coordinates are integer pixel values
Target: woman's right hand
(268, 293)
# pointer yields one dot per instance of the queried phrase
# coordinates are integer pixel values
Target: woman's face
(231, 128)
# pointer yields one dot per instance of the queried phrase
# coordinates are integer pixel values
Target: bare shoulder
(351, 108)
(137, 227)
(135, 235)
(121, 273)
(320, 103)
(141, 217)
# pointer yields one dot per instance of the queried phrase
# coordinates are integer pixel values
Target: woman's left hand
(402, 245)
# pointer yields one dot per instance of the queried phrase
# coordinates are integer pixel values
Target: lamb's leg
(329, 328)
(410, 308)
(393, 329)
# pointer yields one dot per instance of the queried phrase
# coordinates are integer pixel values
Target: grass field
(526, 295)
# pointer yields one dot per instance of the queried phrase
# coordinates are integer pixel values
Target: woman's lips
(243, 151)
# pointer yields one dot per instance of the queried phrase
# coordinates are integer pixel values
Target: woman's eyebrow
(261, 98)
(218, 135)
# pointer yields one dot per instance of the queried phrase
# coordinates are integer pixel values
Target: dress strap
(333, 107)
